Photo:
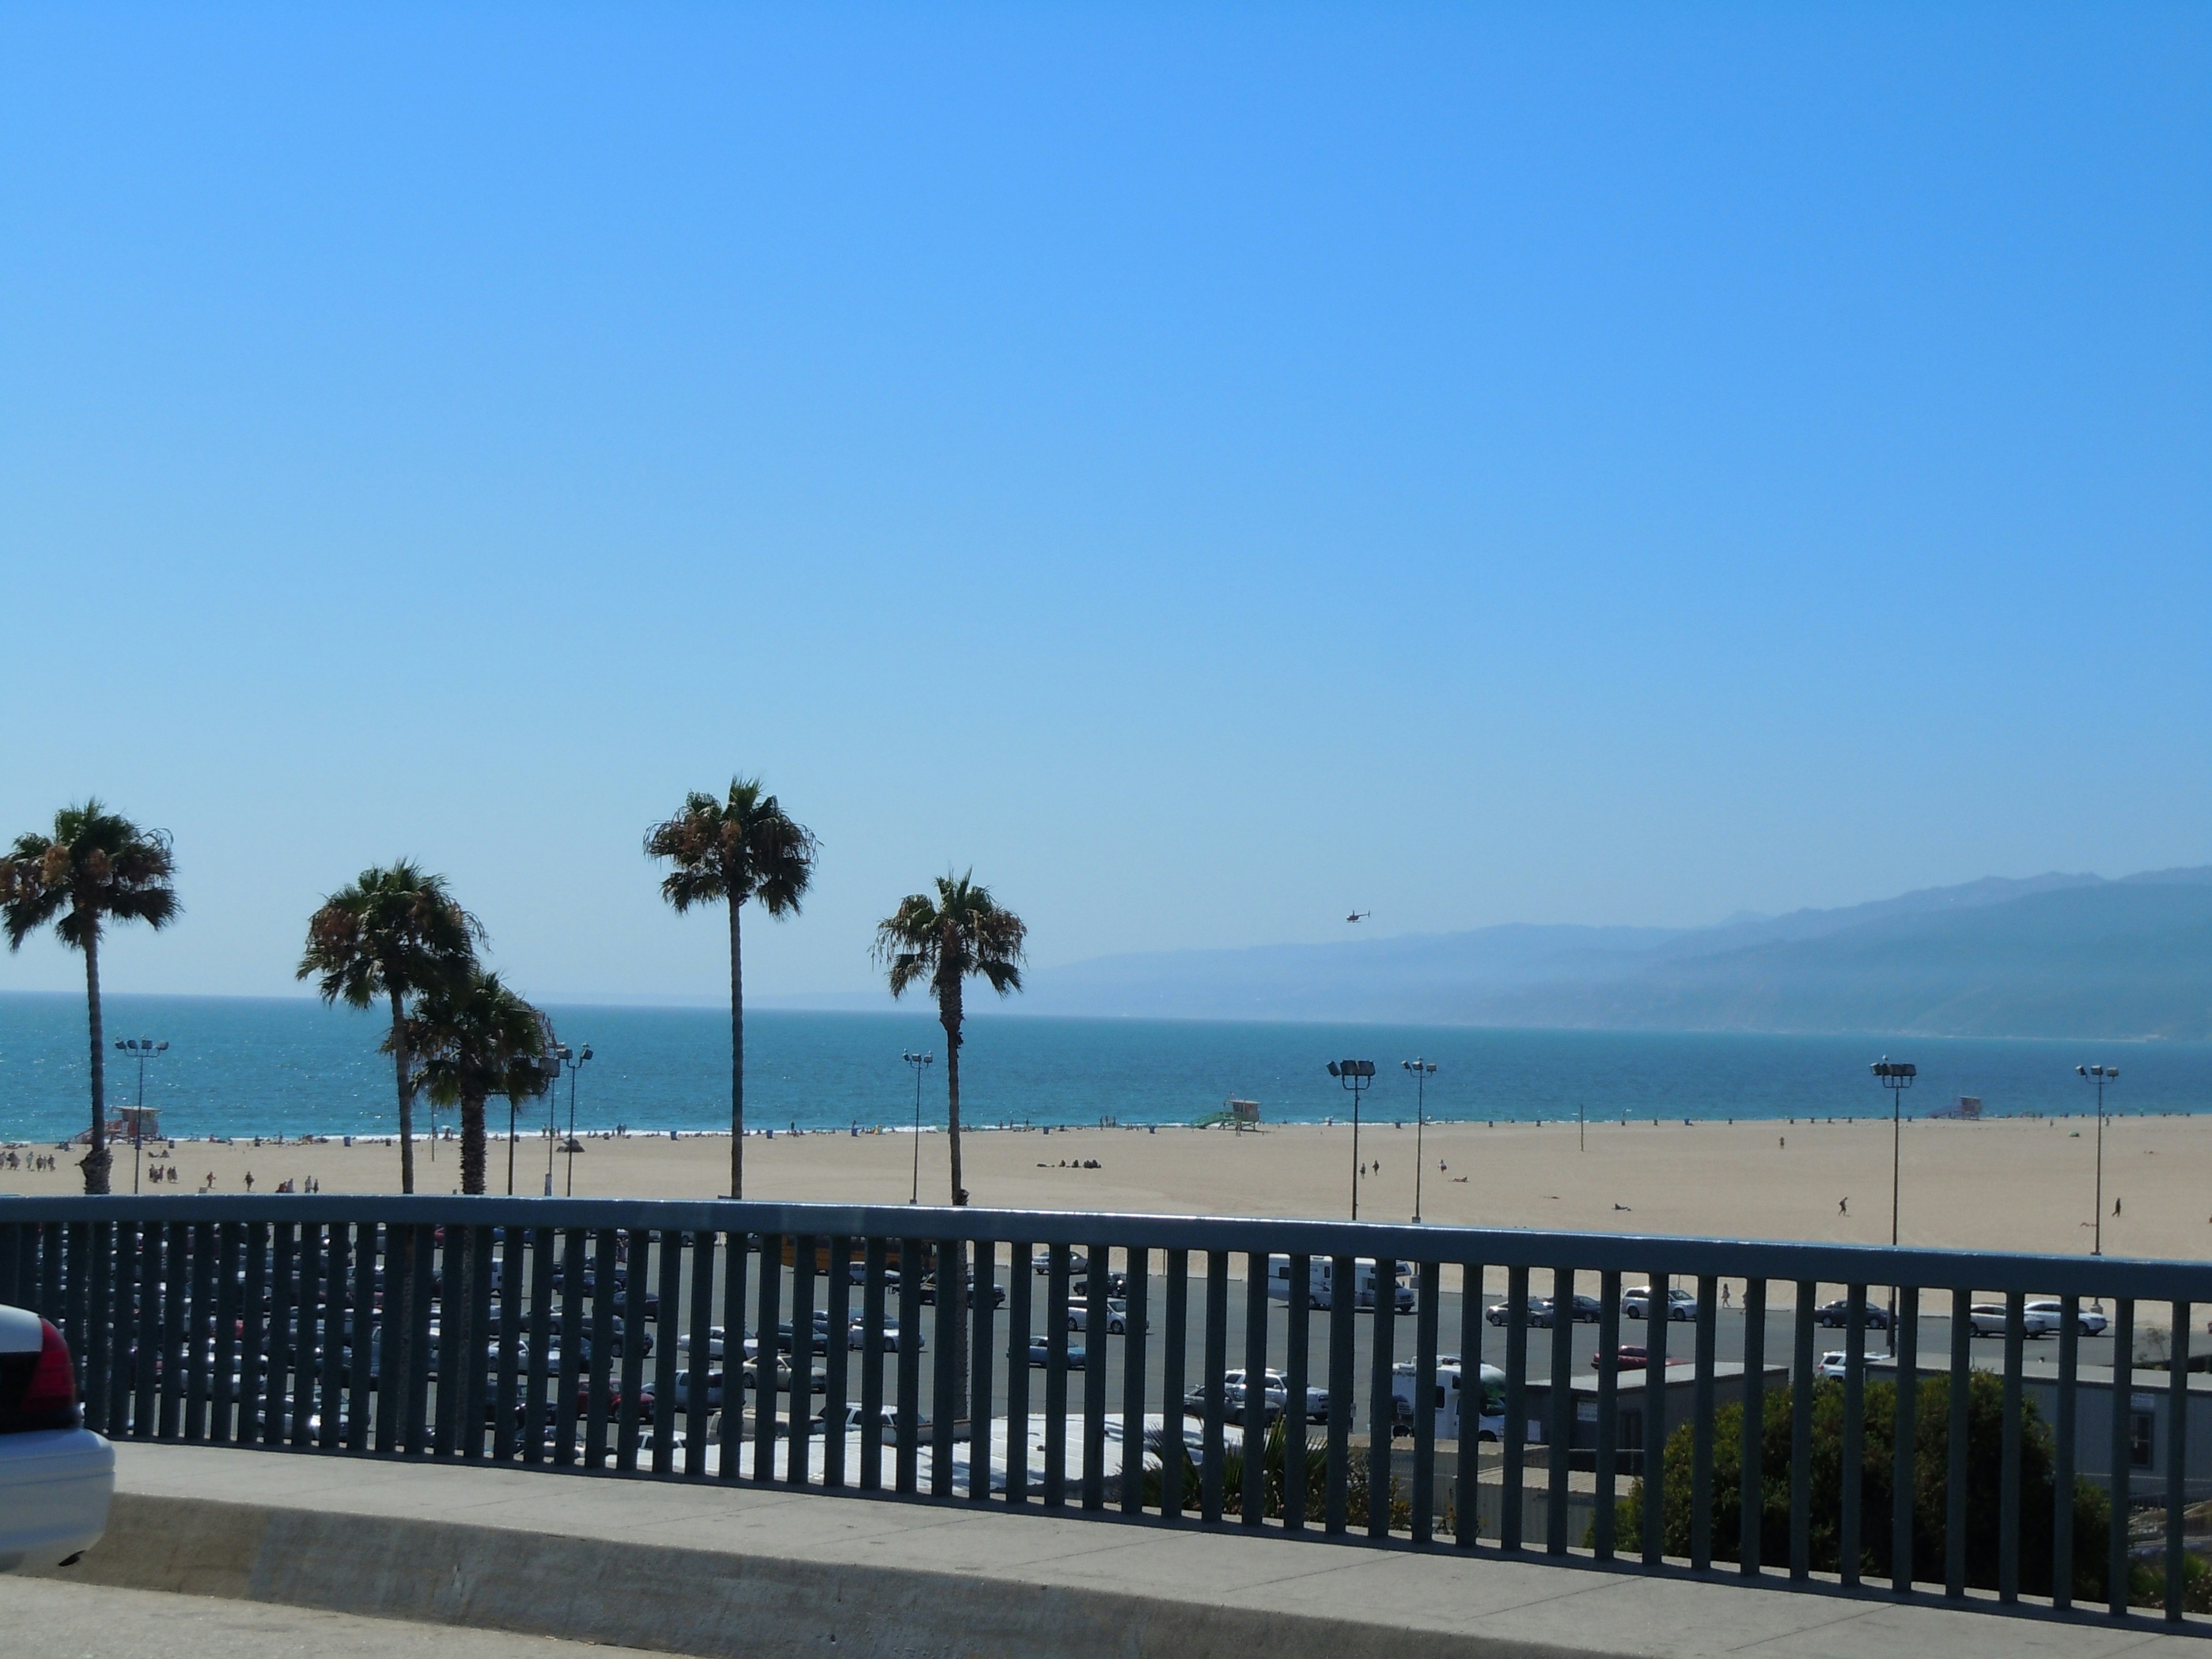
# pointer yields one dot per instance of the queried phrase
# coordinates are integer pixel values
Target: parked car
(2089, 1322)
(2038, 1318)
(56, 1477)
(928, 1290)
(1628, 1357)
(1078, 1264)
(1836, 1315)
(1539, 1312)
(1636, 1302)
(856, 1337)
(1040, 1354)
(1835, 1363)
(1117, 1317)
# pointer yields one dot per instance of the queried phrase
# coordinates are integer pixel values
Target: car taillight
(48, 1396)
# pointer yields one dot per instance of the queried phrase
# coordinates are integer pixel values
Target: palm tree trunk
(95, 1162)
(403, 1069)
(949, 1015)
(472, 1146)
(736, 1056)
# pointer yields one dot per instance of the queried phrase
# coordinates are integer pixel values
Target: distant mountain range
(2048, 955)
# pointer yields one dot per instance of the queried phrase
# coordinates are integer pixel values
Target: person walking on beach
(1843, 1206)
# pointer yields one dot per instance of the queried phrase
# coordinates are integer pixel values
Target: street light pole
(575, 1064)
(1355, 1075)
(144, 1048)
(1423, 1070)
(919, 1062)
(1896, 1076)
(2100, 1075)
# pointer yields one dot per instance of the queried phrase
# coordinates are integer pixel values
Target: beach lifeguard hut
(1245, 1113)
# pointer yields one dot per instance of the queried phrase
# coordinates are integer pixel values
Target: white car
(2036, 1319)
(1682, 1306)
(2090, 1321)
(1835, 1363)
(57, 1476)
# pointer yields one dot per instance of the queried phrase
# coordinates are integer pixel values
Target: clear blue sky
(1206, 467)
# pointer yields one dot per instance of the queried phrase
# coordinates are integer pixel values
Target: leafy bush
(1930, 1469)
(1275, 1455)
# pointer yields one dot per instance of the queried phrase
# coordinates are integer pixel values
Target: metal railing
(648, 1339)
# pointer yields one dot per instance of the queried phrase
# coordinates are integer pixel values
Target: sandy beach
(2011, 1184)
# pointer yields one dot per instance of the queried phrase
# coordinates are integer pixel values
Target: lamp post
(921, 1063)
(144, 1048)
(1896, 1076)
(1423, 1070)
(549, 1074)
(1355, 1075)
(2100, 1075)
(575, 1062)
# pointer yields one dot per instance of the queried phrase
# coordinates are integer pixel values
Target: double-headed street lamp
(1896, 1076)
(1355, 1075)
(2100, 1075)
(144, 1048)
(1423, 1070)
(921, 1063)
(562, 1056)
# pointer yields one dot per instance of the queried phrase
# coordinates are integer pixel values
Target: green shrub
(1931, 1468)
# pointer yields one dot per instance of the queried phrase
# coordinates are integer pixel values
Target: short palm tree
(95, 869)
(728, 851)
(940, 942)
(395, 935)
(472, 1039)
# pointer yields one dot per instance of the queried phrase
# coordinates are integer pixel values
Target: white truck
(1319, 1288)
(1447, 1393)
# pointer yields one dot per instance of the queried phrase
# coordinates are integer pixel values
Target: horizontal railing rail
(1452, 1387)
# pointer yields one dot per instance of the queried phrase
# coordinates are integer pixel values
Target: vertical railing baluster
(568, 1385)
(2009, 1472)
(176, 1296)
(599, 1399)
(872, 1365)
(361, 1296)
(1955, 1477)
(1137, 1273)
(283, 1281)
(1381, 1411)
(1019, 1280)
(2063, 1455)
(1658, 1315)
(147, 1332)
(78, 1305)
(507, 1410)
(1701, 1425)
(476, 1400)
(1055, 1375)
(983, 1324)
(1510, 1498)
(312, 1405)
(1427, 1293)
(1853, 1450)
(1175, 1456)
(635, 1269)
(708, 1375)
(1559, 1429)
(253, 1341)
(1094, 1379)
(198, 1386)
(1297, 1338)
(909, 1364)
(337, 1303)
(52, 1244)
(223, 1412)
(767, 1317)
(945, 1405)
(798, 1438)
(2177, 1462)
(737, 1254)
(455, 1338)
(423, 1349)
(1212, 1442)
(2118, 1559)
(1344, 1274)
(1904, 1344)
(667, 1323)
(1801, 1433)
(1751, 1479)
(1604, 1521)
(98, 1356)
(1252, 1500)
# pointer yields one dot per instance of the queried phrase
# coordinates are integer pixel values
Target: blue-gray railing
(269, 1321)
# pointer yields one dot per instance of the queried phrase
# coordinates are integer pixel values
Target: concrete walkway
(741, 1571)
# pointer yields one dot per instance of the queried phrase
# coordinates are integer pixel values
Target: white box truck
(1320, 1283)
(1447, 1393)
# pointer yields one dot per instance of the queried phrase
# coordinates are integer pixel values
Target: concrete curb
(716, 1604)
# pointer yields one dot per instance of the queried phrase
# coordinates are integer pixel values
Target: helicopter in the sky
(1360, 915)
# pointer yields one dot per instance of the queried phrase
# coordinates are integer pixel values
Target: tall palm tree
(474, 1038)
(395, 934)
(940, 943)
(728, 851)
(95, 868)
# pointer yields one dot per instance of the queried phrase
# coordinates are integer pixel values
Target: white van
(1321, 1282)
(1445, 1396)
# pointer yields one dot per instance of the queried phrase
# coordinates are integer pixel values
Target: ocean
(245, 1066)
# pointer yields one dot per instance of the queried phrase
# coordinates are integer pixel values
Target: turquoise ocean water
(239, 1067)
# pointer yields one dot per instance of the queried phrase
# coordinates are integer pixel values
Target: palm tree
(95, 868)
(728, 851)
(395, 934)
(939, 943)
(473, 1039)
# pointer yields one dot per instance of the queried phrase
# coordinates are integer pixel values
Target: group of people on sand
(38, 1163)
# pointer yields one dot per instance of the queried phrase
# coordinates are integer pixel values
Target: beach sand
(2005, 1184)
